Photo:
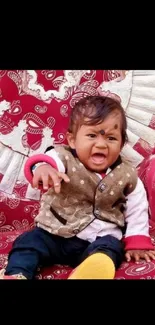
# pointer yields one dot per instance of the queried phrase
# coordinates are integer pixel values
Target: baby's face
(98, 146)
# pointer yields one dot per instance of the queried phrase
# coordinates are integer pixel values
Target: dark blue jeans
(40, 248)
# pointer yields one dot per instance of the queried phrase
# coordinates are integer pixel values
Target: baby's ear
(71, 139)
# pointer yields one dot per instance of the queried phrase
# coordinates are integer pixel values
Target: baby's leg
(32, 249)
(100, 259)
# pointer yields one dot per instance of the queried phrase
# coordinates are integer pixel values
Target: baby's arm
(45, 169)
(137, 239)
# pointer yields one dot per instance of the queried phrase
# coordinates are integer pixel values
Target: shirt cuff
(138, 242)
(37, 159)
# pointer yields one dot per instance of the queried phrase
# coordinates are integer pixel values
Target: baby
(94, 207)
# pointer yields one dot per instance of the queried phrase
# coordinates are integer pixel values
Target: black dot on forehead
(115, 126)
(102, 132)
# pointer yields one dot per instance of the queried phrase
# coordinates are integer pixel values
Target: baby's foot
(4, 276)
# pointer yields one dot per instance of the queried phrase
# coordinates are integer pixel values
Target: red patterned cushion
(34, 96)
(28, 94)
(147, 174)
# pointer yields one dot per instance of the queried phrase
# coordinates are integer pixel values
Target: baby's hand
(48, 176)
(138, 254)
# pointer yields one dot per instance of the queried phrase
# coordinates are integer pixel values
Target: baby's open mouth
(98, 158)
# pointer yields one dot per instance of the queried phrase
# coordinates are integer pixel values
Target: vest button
(97, 212)
(76, 231)
(101, 187)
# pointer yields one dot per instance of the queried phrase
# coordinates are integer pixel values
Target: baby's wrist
(34, 167)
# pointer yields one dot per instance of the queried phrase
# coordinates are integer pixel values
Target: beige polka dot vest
(86, 197)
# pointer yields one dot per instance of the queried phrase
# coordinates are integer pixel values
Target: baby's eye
(112, 138)
(91, 135)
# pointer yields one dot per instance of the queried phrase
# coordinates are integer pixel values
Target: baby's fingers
(64, 177)
(136, 257)
(35, 181)
(44, 179)
(128, 257)
(152, 254)
(146, 257)
(56, 182)
(40, 178)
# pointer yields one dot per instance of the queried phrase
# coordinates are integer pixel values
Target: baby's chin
(97, 169)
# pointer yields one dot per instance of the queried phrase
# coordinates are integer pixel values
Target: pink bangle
(36, 159)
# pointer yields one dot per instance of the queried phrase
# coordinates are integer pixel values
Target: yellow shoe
(96, 266)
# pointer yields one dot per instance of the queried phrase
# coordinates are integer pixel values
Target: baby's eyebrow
(91, 130)
(102, 132)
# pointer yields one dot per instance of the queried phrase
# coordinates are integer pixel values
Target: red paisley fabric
(30, 97)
